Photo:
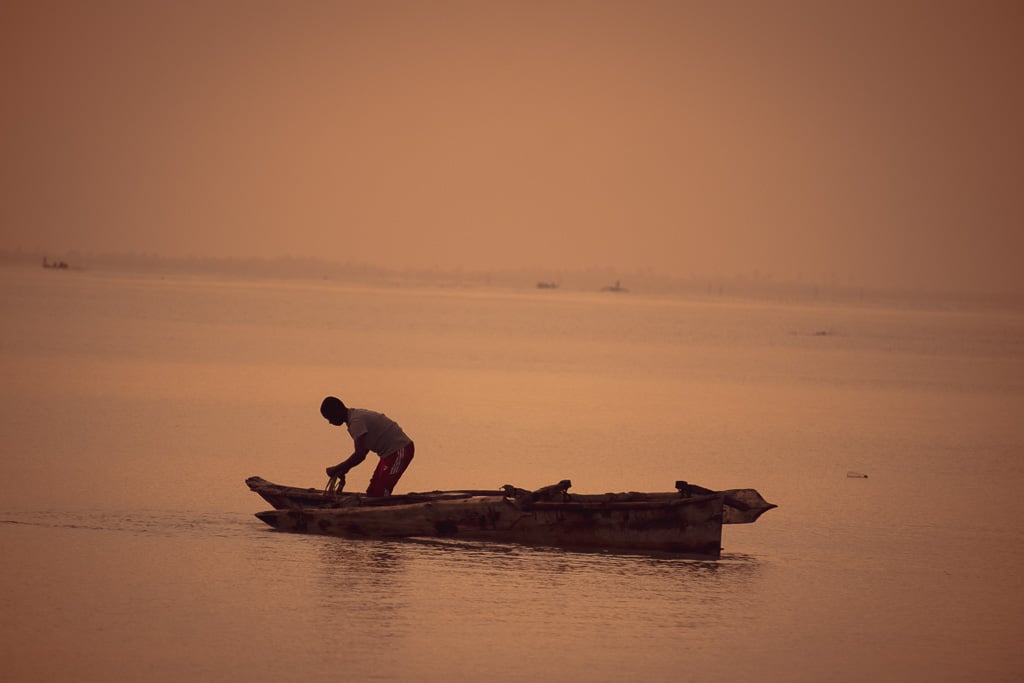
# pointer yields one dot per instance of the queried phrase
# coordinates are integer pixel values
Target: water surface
(132, 409)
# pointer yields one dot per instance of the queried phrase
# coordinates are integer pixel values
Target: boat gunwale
(321, 500)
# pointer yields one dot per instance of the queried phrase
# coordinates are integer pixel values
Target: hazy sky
(873, 142)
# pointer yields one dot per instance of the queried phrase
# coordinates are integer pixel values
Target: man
(371, 432)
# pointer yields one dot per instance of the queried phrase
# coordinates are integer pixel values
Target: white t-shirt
(383, 435)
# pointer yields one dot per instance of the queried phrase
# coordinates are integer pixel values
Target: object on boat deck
(688, 521)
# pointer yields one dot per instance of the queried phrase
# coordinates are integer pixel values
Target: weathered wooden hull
(688, 524)
(691, 526)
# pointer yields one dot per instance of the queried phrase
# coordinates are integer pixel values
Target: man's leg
(389, 471)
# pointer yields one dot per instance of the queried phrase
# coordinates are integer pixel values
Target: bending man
(370, 431)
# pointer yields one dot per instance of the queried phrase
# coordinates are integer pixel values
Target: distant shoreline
(634, 284)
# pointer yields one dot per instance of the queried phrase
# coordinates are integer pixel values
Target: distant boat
(547, 285)
(617, 287)
(54, 264)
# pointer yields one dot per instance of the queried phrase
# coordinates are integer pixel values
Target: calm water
(132, 409)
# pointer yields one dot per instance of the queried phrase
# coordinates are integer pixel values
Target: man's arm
(342, 468)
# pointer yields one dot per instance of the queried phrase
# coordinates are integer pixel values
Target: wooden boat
(687, 522)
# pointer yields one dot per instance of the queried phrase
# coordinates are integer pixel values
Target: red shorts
(389, 471)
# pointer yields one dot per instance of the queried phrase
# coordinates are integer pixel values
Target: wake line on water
(173, 525)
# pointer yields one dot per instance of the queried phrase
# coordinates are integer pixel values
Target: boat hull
(691, 526)
(742, 506)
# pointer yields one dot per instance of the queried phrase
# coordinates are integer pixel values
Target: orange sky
(873, 142)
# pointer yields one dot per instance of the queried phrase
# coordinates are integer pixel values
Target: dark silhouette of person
(370, 431)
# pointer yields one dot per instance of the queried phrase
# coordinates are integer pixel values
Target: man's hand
(336, 483)
(337, 471)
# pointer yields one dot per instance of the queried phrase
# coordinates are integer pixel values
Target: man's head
(334, 411)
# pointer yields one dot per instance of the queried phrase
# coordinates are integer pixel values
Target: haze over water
(428, 163)
(868, 143)
(134, 406)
